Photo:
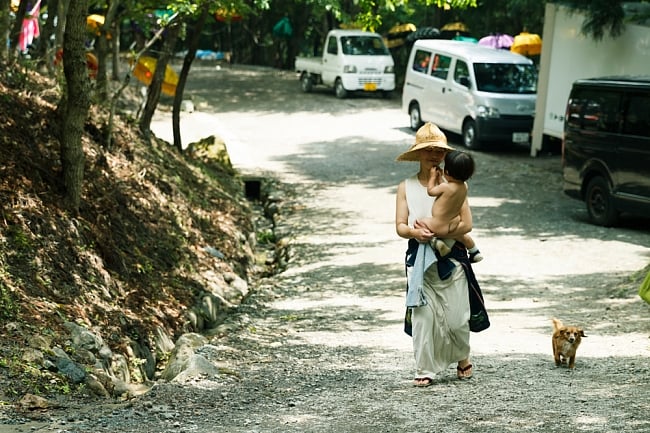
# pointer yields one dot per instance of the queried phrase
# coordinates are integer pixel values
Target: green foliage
(8, 305)
(266, 236)
(452, 4)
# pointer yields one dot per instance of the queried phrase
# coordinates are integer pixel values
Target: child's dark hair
(459, 164)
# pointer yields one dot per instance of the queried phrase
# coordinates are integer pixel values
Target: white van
(484, 94)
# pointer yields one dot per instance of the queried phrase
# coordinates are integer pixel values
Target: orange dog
(566, 340)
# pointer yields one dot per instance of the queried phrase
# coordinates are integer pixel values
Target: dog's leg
(572, 361)
(556, 355)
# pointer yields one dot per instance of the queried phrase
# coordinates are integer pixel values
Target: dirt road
(320, 347)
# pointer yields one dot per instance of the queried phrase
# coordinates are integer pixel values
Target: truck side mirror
(464, 81)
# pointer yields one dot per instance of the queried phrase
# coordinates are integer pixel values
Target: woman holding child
(439, 318)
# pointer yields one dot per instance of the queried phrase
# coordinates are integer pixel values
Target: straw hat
(429, 136)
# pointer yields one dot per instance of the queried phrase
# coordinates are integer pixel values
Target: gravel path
(320, 347)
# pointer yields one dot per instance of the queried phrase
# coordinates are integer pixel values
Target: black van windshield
(363, 46)
(506, 78)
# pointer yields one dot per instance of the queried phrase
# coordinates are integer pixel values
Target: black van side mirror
(464, 81)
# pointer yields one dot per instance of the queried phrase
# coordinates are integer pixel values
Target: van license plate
(520, 137)
(370, 87)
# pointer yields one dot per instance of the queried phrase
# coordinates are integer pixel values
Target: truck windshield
(363, 46)
(506, 78)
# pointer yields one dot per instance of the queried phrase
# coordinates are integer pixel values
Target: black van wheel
(339, 90)
(414, 117)
(306, 82)
(469, 135)
(600, 206)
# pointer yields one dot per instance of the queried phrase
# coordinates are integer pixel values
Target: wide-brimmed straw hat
(429, 136)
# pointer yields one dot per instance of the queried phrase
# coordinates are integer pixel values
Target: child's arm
(435, 180)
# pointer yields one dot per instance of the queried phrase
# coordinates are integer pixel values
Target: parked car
(606, 146)
(352, 60)
(485, 94)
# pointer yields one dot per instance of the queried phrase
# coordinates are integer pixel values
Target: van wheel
(415, 117)
(469, 135)
(600, 206)
(306, 82)
(339, 90)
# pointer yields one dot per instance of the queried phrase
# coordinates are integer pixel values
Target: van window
(637, 115)
(506, 78)
(461, 71)
(440, 66)
(594, 110)
(332, 48)
(421, 61)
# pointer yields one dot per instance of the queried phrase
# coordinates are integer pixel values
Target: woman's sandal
(464, 372)
(423, 382)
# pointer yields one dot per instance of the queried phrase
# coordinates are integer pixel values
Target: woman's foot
(422, 382)
(464, 370)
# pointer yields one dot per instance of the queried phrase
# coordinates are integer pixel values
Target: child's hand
(436, 175)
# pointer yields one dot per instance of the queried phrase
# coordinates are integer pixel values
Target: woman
(440, 325)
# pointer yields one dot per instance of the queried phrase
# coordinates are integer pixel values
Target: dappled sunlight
(550, 256)
(477, 202)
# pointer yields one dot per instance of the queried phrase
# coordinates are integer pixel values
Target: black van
(606, 147)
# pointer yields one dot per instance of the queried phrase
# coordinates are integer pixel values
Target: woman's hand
(422, 232)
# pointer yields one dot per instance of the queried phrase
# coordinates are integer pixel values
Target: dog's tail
(557, 323)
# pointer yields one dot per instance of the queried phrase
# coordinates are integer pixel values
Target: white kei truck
(352, 60)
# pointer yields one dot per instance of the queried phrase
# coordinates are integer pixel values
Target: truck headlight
(487, 112)
(389, 69)
(349, 69)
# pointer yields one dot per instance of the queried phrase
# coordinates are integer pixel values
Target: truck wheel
(469, 135)
(339, 90)
(600, 206)
(415, 117)
(306, 82)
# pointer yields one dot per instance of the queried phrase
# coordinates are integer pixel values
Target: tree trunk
(62, 13)
(45, 51)
(75, 103)
(116, 51)
(102, 50)
(182, 79)
(154, 90)
(5, 23)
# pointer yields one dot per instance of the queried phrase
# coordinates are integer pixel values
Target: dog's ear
(582, 333)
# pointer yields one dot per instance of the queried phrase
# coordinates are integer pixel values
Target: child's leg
(443, 246)
(475, 255)
(467, 241)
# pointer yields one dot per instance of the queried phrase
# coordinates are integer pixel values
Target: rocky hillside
(164, 244)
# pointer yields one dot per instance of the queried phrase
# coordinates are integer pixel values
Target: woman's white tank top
(417, 199)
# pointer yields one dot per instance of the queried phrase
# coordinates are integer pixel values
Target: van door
(436, 94)
(634, 148)
(458, 96)
(594, 137)
(331, 60)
